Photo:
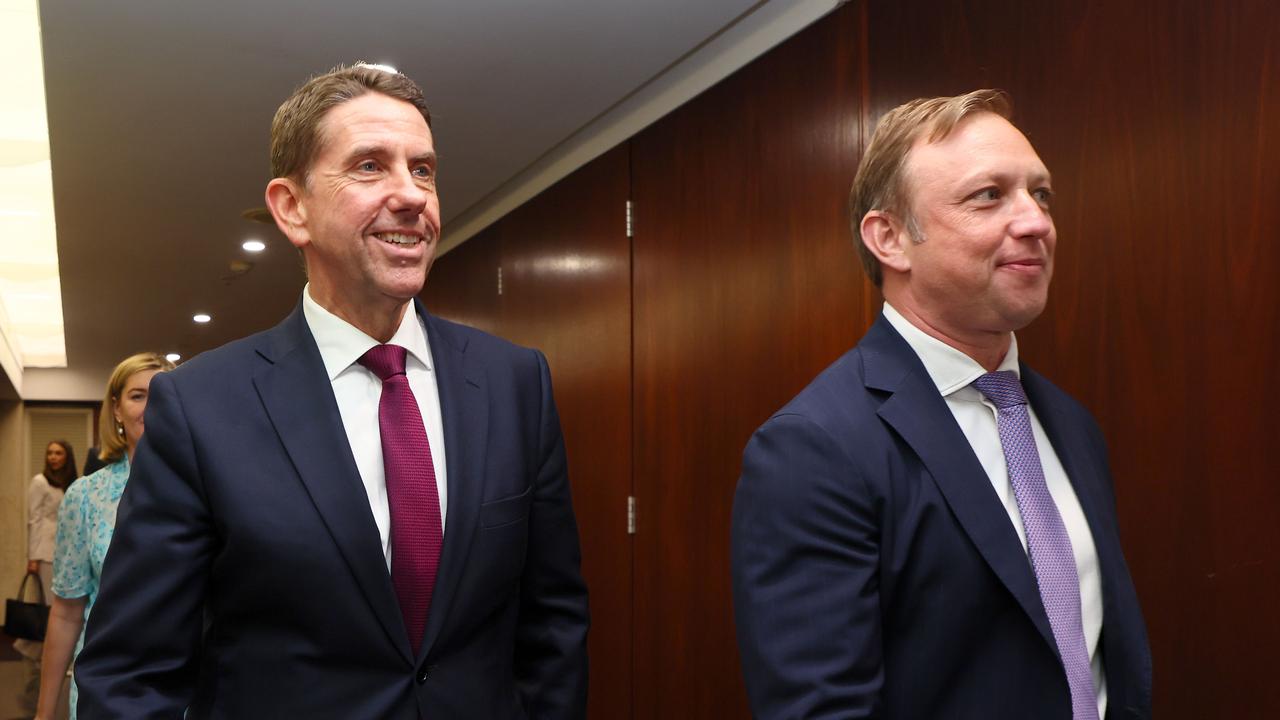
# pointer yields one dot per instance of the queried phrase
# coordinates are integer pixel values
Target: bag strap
(22, 589)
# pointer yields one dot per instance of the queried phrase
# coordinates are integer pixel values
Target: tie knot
(1002, 388)
(385, 361)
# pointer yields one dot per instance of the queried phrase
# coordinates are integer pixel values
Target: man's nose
(408, 194)
(1030, 218)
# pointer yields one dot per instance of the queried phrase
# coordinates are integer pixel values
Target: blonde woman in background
(43, 497)
(86, 521)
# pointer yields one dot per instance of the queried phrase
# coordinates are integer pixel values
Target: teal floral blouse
(86, 520)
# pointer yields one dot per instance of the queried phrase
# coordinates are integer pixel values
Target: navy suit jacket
(246, 577)
(877, 575)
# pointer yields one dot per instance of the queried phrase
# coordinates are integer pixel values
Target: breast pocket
(506, 511)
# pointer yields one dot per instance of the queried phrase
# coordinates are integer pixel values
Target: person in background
(43, 497)
(86, 521)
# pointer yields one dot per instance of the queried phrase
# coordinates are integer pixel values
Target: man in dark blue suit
(363, 512)
(928, 531)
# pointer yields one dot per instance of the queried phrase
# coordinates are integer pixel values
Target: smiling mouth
(398, 239)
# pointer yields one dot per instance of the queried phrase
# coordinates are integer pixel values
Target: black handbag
(24, 619)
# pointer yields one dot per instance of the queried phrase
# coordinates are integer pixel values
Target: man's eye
(423, 171)
(368, 166)
(988, 194)
(1042, 195)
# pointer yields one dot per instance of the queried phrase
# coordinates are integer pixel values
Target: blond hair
(881, 184)
(111, 441)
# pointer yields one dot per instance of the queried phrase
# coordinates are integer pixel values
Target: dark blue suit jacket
(246, 578)
(876, 573)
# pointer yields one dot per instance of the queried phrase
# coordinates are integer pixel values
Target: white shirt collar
(950, 369)
(341, 344)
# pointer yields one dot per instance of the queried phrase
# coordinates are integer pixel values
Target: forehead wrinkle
(339, 118)
(998, 151)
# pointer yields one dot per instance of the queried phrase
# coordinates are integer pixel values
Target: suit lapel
(921, 416)
(464, 409)
(297, 395)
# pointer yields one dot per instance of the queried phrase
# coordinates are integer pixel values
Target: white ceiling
(159, 114)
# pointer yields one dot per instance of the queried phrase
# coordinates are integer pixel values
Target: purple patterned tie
(1048, 544)
(416, 533)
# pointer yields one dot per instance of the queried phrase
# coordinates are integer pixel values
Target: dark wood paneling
(463, 284)
(745, 286)
(1159, 122)
(566, 264)
(566, 290)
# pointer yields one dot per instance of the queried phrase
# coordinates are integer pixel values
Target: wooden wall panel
(746, 286)
(566, 263)
(566, 290)
(463, 285)
(1159, 122)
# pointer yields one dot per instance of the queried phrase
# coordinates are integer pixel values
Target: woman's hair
(111, 442)
(63, 478)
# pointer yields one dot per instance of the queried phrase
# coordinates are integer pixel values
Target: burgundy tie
(416, 533)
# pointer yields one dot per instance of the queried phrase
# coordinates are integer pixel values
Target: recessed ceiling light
(201, 317)
(253, 246)
(173, 357)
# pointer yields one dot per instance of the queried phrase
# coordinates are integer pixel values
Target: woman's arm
(66, 620)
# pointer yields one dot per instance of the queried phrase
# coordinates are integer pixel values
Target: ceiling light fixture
(253, 246)
(381, 66)
(173, 357)
(201, 317)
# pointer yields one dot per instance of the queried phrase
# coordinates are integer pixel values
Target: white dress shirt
(358, 391)
(953, 372)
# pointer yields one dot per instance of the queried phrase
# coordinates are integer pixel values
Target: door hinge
(630, 232)
(499, 279)
(631, 514)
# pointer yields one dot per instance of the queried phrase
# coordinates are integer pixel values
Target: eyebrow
(381, 151)
(429, 158)
(1036, 178)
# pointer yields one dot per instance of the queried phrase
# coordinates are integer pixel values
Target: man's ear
(886, 237)
(284, 199)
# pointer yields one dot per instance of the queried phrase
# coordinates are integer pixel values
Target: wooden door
(746, 286)
(555, 274)
(566, 289)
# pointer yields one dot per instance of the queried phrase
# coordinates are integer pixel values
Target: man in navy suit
(928, 531)
(312, 530)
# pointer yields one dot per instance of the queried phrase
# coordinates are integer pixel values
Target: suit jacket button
(424, 673)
